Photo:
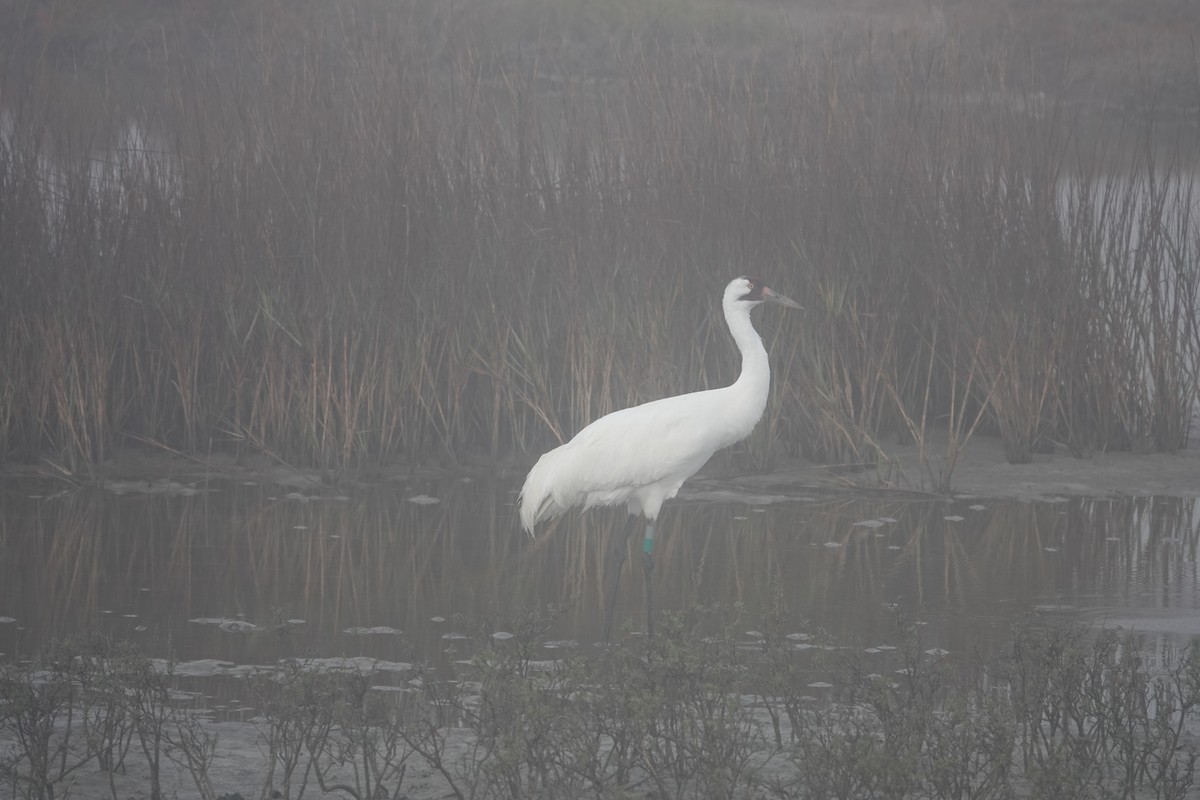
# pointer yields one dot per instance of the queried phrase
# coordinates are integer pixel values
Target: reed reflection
(142, 566)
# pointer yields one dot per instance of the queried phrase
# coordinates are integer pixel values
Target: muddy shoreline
(980, 469)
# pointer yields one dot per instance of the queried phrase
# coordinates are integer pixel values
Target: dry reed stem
(420, 246)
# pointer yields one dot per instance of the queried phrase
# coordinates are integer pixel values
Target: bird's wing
(664, 440)
(645, 444)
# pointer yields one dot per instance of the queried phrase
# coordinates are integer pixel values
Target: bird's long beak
(783, 300)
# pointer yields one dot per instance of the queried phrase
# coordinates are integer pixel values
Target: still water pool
(246, 573)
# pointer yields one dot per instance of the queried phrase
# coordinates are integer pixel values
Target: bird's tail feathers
(537, 499)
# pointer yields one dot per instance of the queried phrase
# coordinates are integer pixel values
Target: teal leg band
(648, 542)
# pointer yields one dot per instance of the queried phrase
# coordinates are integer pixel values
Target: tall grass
(382, 236)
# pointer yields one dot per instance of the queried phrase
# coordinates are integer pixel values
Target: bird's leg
(616, 564)
(648, 567)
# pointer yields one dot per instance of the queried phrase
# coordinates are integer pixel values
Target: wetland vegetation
(345, 235)
(696, 711)
(373, 232)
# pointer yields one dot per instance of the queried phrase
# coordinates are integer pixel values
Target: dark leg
(648, 568)
(616, 564)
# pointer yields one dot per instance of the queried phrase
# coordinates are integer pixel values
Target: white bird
(641, 455)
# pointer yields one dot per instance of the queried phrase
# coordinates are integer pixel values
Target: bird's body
(640, 456)
(637, 456)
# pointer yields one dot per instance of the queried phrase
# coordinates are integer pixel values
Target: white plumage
(640, 456)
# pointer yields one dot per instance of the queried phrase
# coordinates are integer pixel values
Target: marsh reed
(698, 711)
(385, 236)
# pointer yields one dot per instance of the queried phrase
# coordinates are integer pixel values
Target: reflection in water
(142, 566)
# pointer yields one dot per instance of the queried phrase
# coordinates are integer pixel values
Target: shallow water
(244, 574)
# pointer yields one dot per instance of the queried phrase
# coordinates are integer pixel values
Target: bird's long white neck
(754, 382)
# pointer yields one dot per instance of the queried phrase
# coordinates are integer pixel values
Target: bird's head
(748, 292)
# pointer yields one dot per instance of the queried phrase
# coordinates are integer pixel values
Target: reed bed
(697, 711)
(386, 236)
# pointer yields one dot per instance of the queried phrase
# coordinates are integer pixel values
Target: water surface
(247, 573)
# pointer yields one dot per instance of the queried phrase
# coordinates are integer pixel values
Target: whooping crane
(641, 455)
